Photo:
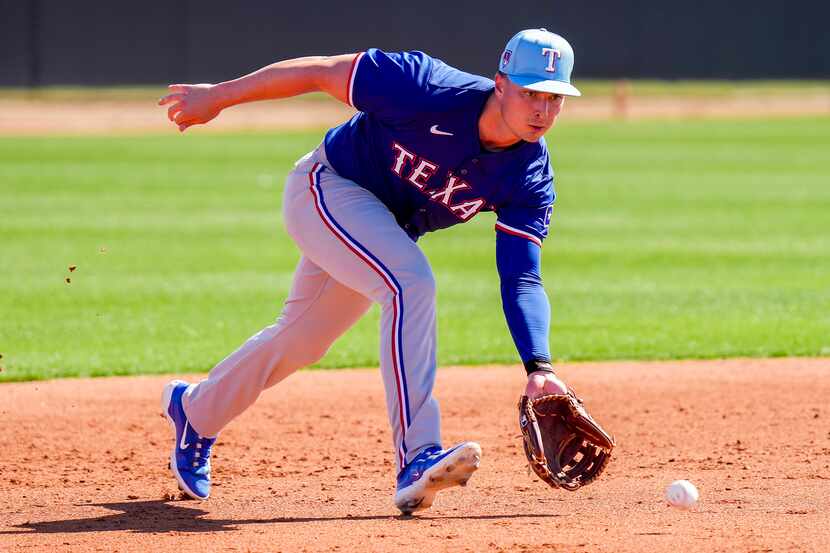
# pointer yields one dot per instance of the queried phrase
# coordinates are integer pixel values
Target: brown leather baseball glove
(565, 447)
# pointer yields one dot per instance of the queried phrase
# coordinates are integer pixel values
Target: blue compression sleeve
(525, 302)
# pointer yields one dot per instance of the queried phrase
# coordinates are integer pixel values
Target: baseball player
(429, 147)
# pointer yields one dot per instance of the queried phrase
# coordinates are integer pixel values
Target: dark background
(97, 42)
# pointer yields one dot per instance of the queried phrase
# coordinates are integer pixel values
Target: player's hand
(542, 383)
(191, 104)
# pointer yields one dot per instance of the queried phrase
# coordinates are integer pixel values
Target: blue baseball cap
(539, 60)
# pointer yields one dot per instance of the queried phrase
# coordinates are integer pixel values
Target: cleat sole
(454, 470)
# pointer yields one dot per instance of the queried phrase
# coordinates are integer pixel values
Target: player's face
(527, 113)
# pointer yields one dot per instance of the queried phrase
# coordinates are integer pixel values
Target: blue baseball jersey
(414, 143)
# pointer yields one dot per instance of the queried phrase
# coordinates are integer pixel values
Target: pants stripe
(397, 304)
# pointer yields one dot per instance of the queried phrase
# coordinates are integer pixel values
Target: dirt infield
(82, 465)
(21, 117)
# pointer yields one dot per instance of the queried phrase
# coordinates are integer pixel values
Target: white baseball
(682, 494)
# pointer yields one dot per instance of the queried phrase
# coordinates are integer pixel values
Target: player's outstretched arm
(527, 311)
(196, 104)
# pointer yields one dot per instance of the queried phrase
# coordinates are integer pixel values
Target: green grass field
(669, 240)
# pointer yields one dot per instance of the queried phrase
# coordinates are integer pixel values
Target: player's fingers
(170, 98)
(174, 110)
(187, 124)
(185, 117)
(182, 123)
(176, 87)
(181, 119)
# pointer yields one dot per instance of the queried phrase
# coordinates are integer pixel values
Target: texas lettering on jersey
(414, 144)
(417, 171)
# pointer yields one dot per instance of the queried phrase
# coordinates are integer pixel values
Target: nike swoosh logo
(434, 130)
(183, 444)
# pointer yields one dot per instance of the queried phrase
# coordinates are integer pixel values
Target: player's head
(533, 79)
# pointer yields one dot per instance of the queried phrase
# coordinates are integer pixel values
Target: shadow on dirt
(173, 516)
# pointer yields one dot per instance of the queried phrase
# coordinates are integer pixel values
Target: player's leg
(318, 310)
(348, 232)
(355, 238)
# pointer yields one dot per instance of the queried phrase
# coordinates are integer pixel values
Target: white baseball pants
(354, 252)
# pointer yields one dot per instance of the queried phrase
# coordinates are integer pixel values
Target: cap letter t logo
(552, 55)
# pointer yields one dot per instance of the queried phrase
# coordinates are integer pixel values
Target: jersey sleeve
(392, 86)
(527, 214)
(524, 300)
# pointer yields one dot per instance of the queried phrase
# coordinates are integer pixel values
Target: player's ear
(499, 79)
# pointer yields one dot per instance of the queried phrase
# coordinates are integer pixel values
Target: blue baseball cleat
(431, 471)
(190, 459)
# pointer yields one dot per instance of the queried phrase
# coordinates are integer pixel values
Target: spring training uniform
(409, 162)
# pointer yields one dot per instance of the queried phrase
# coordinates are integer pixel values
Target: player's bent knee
(421, 285)
(306, 356)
